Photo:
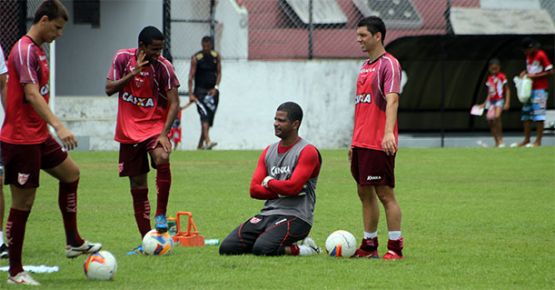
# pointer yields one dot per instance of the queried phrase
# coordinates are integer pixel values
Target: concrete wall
(84, 54)
(250, 94)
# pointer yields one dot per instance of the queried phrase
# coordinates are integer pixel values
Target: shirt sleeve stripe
(168, 72)
(393, 74)
(19, 52)
(29, 63)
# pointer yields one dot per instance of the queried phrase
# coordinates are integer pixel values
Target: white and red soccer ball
(341, 244)
(157, 244)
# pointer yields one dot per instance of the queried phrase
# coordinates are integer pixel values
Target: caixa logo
(44, 90)
(367, 98)
(141, 102)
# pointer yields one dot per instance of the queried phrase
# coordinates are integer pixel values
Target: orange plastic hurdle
(191, 237)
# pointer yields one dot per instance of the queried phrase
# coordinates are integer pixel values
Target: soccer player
(3, 79)
(538, 68)
(498, 99)
(206, 70)
(27, 146)
(374, 144)
(147, 106)
(285, 177)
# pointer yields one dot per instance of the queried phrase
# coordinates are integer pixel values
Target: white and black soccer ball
(100, 265)
(341, 244)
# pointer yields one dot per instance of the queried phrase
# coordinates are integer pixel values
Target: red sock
(141, 206)
(163, 183)
(67, 201)
(295, 251)
(15, 233)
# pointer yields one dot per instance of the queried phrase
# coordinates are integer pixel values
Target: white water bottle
(211, 242)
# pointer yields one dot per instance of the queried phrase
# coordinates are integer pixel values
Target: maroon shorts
(373, 167)
(23, 163)
(133, 158)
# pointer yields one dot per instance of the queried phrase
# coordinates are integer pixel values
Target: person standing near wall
(206, 71)
(498, 99)
(27, 146)
(147, 107)
(375, 138)
(538, 68)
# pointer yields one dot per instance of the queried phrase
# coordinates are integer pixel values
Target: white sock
(306, 251)
(394, 235)
(1, 238)
(370, 235)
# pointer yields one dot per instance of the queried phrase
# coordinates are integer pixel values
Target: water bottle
(172, 226)
(211, 242)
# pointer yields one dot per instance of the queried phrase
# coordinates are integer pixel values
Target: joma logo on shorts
(370, 177)
(280, 170)
(141, 102)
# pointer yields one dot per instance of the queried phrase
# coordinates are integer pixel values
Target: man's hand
(350, 154)
(141, 62)
(192, 98)
(506, 106)
(213, 92)
(388, 144)
(68, 139)
(165, 142)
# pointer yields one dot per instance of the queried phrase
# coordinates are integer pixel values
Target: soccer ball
(100, 266)
(157, 244)
(341, 244)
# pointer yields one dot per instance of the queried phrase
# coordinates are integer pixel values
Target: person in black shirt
(206, 70)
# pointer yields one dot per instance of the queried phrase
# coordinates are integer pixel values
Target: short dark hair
(293, 110)
(529, 42)
(206, 39)
(494, 61)
(149, 34)
(53, 9)
(374, 24)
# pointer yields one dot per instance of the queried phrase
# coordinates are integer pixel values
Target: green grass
(472, 218)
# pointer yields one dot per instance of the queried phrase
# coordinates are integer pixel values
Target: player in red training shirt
(147, 106)
(27, 146)
(498, 99)
(539, 69)
(3, 93)
(285, 177)
(374, 145)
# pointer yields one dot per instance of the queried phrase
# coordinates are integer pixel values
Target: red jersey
(537, 63)
(375, 81)
(142, 103)
(26, 65)
(495, 85)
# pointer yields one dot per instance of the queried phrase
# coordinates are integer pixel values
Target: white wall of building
(84, 54)
(250, 93)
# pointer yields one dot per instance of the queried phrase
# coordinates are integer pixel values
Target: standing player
(3, 79)
(206, 69)
(497, 100)
(27, 146)
(147, 106)
(285, 178)
(374, 144)
(538, 68)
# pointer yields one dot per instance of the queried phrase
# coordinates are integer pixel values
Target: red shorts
(23, 162)
(373, 167)
(133, 158)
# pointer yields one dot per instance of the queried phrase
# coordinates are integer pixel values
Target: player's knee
(263, 249)
(229, 248)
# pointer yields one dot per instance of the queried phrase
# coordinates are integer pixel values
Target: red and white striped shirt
(375, 81)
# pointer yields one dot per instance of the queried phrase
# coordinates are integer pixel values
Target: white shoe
(514, 145)
(502, 145)
(308, 247)
(22, 278)
(86, 248)
(529, 145)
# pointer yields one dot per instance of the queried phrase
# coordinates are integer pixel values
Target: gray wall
(84, 54)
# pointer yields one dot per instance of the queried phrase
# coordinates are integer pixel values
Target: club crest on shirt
(22, 178)
(254, 220)
(139, 82)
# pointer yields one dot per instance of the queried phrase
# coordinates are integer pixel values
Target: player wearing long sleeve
(375, 138)
(285, 177)
(147, 106)
(28, 147)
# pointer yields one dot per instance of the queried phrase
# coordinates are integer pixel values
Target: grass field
(472, 218)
